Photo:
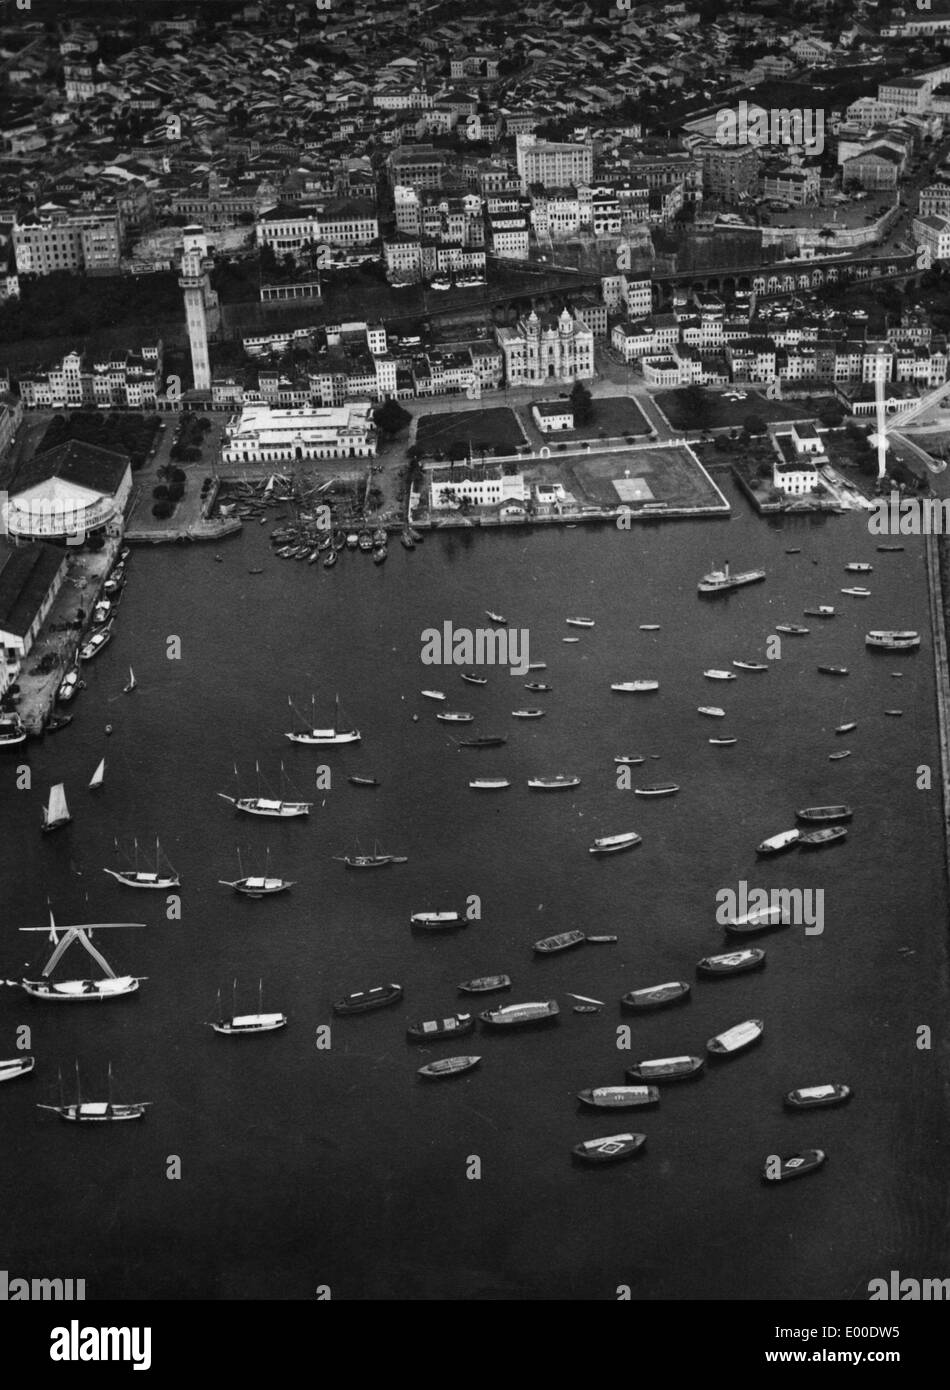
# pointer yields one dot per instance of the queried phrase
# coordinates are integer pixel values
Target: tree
(582, 404)
(697, 406)
(162, 510)
(753, 424)
(390, 417)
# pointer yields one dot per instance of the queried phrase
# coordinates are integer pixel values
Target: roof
(86, 465)
(27, 573)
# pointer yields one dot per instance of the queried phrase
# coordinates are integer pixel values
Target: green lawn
(496, 429)
(725, 414)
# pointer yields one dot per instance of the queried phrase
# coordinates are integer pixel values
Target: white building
(539, 351)
(488, 488)
(67, 492)
(263, 434)
(795, 477)
(934, 234)
(552, 415)
(336, 223)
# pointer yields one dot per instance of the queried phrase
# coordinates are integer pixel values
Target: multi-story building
(482, 485)
(418, 166)
(508, 234)
(730, 172)
(555, 349)
(934, 200)
(263, 434)
(933, 233)
(60, 240)
(797, 187)
(553, 164)
(289, 229)
(130, 379)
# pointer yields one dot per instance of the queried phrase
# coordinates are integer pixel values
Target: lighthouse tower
(200, 298)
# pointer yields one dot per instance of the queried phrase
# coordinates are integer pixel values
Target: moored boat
(657, 789)
(537, 686)
(548, 945)
(612, 844)
(892, 641)
(163, 876)
(472, 679)
(721, 581)
(259, 805)
(845, 728)
(452, 1027)
(56, 812)
(324, 738)
(433, 694)
(813, 1097)
(527, 713)
(609, 1149)
(489, 784)
(484, 741)
(795, 1166)
(629, 759)
(579, 622)
(448, 1066)
(656, 996)
(737, 1038)
(553, 783)
(363, 1000)
(363, 781)
(453, 716)
(817, 839)
(661, 1069)
(496, 618)
(722, 742)
(712, 711)
(238, 1025)
(732, 962)
(95, 1111)
(96, 642)
(720, 675)
(12, 731)
(436, 920)
(635, 687)
(795, 629)
(825, 813)
(514, 1015)
(485, 984)
(16, 1066)
(619, 1097)
(857, 592)
(858, 568)
(776, 843)
(750, 665)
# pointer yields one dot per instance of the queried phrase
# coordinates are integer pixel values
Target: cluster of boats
(291, 543)
(97, 639)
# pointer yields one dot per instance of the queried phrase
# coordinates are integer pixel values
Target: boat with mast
(95, 1110)
(261, 886)
(162, 876)
(267, 806)
(359, 860)
(97, 778)
(324, 738)
(248, 1023)
(56, 812)
(76, 991)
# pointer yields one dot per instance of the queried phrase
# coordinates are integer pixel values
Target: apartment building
(553, 164)
(337, 222)
(60, 240)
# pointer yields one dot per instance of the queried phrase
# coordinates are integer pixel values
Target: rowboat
(713, 711)
(473, 679)
(825, 813)
(836, 757)
(894, 713)
(817, 839)
(484, 741)
(649, 627)
(562, 942)
(495, 617)
(527, 713)
(550, 784)
(750, 665)
(448, 1066)
(433, 694)
(363, 781)
(722, 742)
(579, 622)
(365, 999)
(656, 996)
(513, 1015)
(635, 687)
(776, 843)
(737, 1038)
(489, 784)
(454, 716)
(812, 1097)
(845, 728)
(857, 592)
(660, 1069)
(720, 675)
(657, 789)
(794, 629)
(619, 1097)
(485, 984)
(732, 962)
(795, 1166)
(454, 1026)
(629, 759)
(609, 1149)
(612, 844)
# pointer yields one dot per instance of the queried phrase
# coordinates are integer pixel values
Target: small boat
(656, 996)
(363, 1000)
(889, 547)
(370, 861)
(433, 694)
(795, 629)
(363, 781)
(260, 886)
(722, 742)
(750, 665)
(365, 542)
(721, 581)
(713, 711)
(513, 1015)
(732, 962)
(537, 686)
(352, 540)
(858, 568)
(94, 646)
(657, 789)
(330, 560)
(496, 617)
(131, 683)
(619, 1097)
(472, 679)
(406, 541)
(489, 784)
(893, 641)
(570, 639)
(134, 877)
(813, 1097)
(339, 542)
(56, 722)
(323, 738)
(56, 812)
(612, 844)
(825, 813)
(239, 1024)
(562, 942)
(435, 920)
(550, 784)
(894, 713)
(380, 536)
(635, 687)
(629, 759)
(379, 556)
(794, 550)
(845, 728)
(737, 1038)
(97, 778)
(12, 731)
(579, 622)
(720, 675)
(527, 713)
(817, 839)
(825, 610)
(760, 918)
(103, 1111)
(16, 1066)
(609, 1149)
(796, 1166)
(448, 1066)
(776, 843)
(857, 592)
(451, 716)
(484, 741)
(485, 984)
(256, 571)
(836, 757)
(415, 535)
(649, 627)
(586, 1009)
(452, 1027)
(833, 670)
(602, 940)
(537, 665)
(666, 1069)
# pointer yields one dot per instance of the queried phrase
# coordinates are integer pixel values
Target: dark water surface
(303, 1167)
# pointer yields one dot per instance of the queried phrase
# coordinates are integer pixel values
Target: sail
(131, 684)
(96, 779)
(57, 810)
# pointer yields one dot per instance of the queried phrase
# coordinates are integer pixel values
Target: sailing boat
(127, 689)
(95, 781)
(845, 728)
(78, 990)
(56, 812)
(248, 1023)
(256, 887)
(370, 861)
(146, 878)
(324, 737)
(267, 806)
(95, 1109)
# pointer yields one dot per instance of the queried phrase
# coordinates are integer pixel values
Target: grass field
(732, 414)
(668, 475)
(497, 430)
(616, 416)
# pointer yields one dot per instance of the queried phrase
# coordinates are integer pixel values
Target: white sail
(97, 777)
(56, 809)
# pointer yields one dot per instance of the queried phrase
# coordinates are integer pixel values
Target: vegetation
(126, 433)
(390, 418)
(162, 510)
(582, 404)
(68, 306)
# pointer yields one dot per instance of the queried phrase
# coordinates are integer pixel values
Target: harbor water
(311, 1160)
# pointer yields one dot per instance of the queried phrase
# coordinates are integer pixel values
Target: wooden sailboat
(370, 861)
(96, 780)
(127, 689)
(162, 876)
(248, 1023)
(258, 887)
(268, 806)
(71, 991)
(324, 737)
(95, 1110)
(56, 812)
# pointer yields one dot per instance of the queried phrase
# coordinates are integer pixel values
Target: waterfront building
(263, 434)
(481, 485)
(67, 492)
(30, 578)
